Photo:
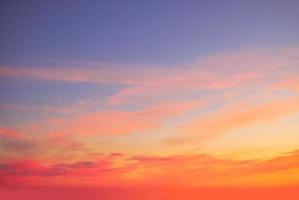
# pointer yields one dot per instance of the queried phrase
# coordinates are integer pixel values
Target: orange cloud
(237, 116)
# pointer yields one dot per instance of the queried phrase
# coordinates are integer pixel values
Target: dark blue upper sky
(149, 32)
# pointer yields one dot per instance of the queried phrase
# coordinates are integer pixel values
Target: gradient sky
(129, 96)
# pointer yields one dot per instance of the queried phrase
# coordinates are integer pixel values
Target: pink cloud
(6, 132)
(118, 123)
(224, 70)
(230, 70)
(291, 83)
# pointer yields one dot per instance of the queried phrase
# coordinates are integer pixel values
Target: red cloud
(179, 170)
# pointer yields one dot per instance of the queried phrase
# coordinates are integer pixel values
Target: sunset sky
(149, 99)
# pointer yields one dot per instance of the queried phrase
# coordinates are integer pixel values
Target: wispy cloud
(119, 123)
(220, 71)
(239, 115)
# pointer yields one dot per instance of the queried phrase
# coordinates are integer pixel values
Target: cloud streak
(229, 70)
(119, 123)
(240, 115)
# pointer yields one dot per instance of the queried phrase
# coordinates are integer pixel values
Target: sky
(136, 99)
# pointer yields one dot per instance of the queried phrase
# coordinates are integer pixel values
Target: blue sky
(147, 32)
